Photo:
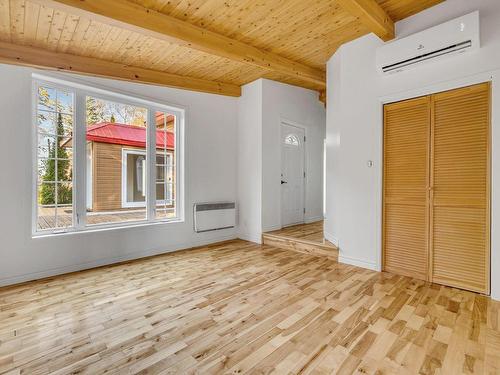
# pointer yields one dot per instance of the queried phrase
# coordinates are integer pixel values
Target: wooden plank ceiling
(208, 45)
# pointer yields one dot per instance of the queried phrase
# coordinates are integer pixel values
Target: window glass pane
(65, 216)
(54, 159)
(64, 170)
(46, 199)
(47, 194)
(46, 99)
(65, 102)
(116, 169)
(53, 215)
(165, 161)
(64, 125)
(46, 170)
(160, 173)
(46, 122)
(46, 146)
(64, 205)
(64, 193)
(65, 149)
(116, 162)
(292, 140)
(135, 176)
(160, 192)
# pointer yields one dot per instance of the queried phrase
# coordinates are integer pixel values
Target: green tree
(95, 111)
(48, 190)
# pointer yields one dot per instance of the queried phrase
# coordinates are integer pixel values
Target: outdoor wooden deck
(47, 219)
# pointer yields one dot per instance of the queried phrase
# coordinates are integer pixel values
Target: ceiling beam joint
(372, 16)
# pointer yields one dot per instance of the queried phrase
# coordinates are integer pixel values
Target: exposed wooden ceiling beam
(40, 58)
(322, 97)
(372, 16)
(137, 18)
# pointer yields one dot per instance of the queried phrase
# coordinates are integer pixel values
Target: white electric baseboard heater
(214, 216)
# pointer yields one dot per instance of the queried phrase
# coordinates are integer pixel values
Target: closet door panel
(406, 175)
(460, 188)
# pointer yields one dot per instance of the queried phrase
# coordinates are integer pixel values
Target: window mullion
(178, 196)
(80, 160)
(151, 165)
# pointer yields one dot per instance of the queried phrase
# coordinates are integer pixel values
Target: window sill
(106, 227)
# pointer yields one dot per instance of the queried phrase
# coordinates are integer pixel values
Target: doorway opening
(292, 175)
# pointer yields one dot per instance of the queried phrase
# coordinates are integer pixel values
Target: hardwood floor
(239, 307)
(311, 232)
(302, 238)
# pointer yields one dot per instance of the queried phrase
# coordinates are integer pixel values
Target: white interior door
(292, 175)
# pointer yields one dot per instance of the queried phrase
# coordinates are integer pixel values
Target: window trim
(80, 90)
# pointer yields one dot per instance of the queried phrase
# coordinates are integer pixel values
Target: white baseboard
(107, 261)
(495, 296)
(334, 240)
(313, 219)
(252, 237)
(358, 262)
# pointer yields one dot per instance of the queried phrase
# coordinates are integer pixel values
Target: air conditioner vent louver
(452, 37)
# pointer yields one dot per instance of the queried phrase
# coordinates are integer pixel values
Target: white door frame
(294, 124)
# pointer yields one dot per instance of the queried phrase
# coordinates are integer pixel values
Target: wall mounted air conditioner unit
(453, 37)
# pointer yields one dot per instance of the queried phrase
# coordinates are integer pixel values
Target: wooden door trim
(430, 193)
(488, 194)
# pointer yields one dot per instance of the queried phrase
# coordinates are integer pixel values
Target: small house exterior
(116, 167)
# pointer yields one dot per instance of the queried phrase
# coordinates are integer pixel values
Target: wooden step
(300, 245)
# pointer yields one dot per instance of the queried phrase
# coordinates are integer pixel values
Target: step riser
(300, 246)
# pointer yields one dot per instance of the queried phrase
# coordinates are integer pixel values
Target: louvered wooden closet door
(460, 188)
(406, 176)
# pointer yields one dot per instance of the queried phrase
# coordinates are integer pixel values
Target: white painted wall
(232, 154)
(249, 171)
(300, 107)
(354, 126)
(210, 165)
(262, 107)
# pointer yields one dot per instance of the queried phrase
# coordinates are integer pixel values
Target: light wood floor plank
(238, 307)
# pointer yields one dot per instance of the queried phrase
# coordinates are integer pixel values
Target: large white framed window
(103, 159)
